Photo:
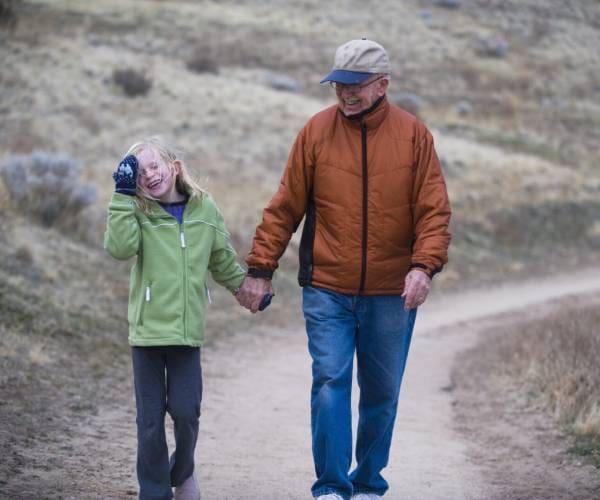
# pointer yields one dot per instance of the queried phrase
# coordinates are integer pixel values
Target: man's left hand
(416, 288)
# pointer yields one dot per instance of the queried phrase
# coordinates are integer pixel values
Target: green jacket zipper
(146, 297)
(185, 285)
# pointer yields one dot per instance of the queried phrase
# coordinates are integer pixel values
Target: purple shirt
(175, 209)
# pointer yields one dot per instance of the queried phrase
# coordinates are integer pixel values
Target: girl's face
(156, 177)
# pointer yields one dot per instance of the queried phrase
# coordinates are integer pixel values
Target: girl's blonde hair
(184, 183)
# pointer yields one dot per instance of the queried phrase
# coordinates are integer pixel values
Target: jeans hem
(329, 491)
(358, 491)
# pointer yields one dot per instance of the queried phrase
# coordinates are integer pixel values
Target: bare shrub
(132, 82)
(24, 255)
(8, 16)
(202, 61)
(46, 186)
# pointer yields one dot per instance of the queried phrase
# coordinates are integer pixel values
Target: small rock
(282, 82)
(425, 15)
(464, 107)
(448, 4)
(453, 168)
(491, 46)
(408, 101)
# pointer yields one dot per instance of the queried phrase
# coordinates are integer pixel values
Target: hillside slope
(516, 131)
(515, 127)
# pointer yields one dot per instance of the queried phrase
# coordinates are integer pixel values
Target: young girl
(177, 233)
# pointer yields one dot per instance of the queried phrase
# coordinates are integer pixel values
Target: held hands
(416, 288)
(255, 294)
(126, 176)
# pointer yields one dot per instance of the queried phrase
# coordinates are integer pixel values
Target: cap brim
(346, 77)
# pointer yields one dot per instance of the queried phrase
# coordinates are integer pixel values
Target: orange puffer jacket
(375, 202)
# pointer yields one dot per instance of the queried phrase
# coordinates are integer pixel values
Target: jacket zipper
(365, 199)
(185, 290)
(147, 296)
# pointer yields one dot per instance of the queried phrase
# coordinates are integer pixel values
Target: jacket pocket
(146, 297)
(397, 236)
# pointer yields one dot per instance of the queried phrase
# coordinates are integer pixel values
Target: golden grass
(237, 131)
(555, 362)
(63, 304)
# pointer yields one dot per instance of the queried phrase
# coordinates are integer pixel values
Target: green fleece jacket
(168, 292)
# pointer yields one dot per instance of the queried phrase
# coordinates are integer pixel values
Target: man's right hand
(252, 291)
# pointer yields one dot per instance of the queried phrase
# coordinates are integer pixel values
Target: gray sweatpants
(167, 379)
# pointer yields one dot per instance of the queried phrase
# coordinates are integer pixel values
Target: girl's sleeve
(122, 236)
(223, 265)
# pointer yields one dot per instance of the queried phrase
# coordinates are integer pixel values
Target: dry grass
(527, 142)
(555, 363)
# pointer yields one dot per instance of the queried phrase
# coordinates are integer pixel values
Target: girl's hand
(126, 176)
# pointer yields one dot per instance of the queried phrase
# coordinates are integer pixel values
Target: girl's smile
(157, 178)
(154, 183)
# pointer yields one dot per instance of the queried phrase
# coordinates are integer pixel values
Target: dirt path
(255, 438)
(255, 427)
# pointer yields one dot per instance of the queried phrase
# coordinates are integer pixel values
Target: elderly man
(365, 176)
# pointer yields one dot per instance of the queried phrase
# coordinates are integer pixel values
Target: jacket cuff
(264, 274)
(422, 267)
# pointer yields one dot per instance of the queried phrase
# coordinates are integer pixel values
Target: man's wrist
(264, 274)
(421, 267)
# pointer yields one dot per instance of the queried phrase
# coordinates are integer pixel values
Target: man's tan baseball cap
(357, 60)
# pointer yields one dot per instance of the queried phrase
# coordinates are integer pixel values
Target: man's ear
(384, 83)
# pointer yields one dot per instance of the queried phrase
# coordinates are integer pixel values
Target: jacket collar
(371, 117)
(156, 211)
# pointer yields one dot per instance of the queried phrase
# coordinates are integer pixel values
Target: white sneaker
(189, 490)
(330, 496)
(365, 496)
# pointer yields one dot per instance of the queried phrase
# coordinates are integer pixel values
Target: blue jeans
(379, 330)
(167, 379)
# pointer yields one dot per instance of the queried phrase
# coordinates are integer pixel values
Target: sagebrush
(46, 187)
(132, 82)
(202, 62)
(8, 16)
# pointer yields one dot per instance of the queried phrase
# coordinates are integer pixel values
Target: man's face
(352, 99)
